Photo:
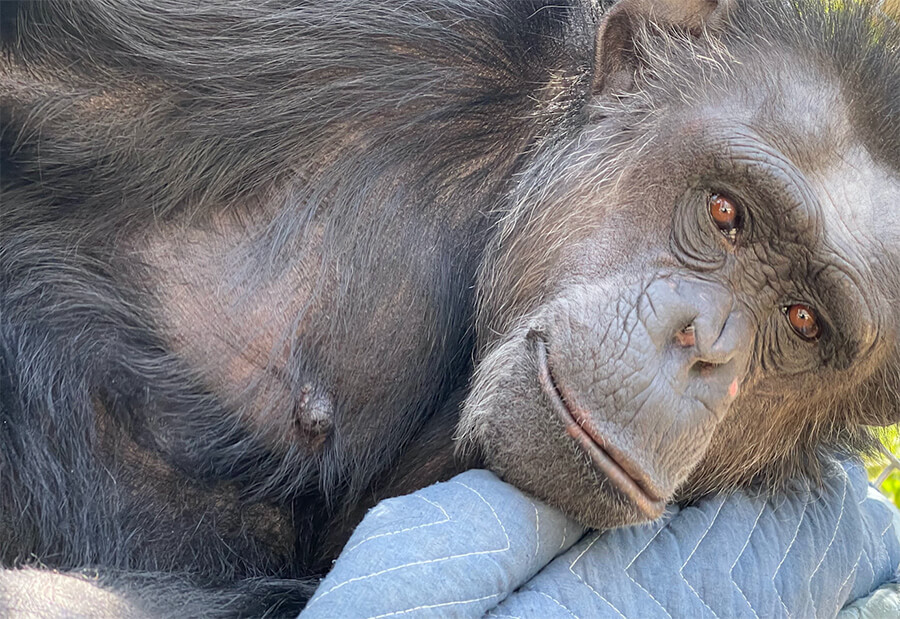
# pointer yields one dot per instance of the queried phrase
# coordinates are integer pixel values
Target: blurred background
(884, 467)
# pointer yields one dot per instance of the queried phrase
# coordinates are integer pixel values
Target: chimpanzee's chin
(539, 452)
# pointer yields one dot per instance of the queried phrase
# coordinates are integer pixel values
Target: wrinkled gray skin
(617, 225)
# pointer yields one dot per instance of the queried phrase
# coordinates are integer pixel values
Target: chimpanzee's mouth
(616, 466)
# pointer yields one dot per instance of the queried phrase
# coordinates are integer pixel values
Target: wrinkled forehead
(801, 111)
(860, 198)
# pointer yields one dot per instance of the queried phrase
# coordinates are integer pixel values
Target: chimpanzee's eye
(803, 321)
(726, 214)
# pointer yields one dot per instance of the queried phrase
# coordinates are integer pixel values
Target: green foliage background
(876, 464)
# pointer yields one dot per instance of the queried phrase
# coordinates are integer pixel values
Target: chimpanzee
(264, 263)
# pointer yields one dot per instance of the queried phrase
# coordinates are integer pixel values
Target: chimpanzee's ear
(615, 62)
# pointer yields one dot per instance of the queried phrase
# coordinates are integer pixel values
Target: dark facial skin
(716, 298)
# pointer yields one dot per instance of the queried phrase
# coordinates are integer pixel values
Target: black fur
(397, 128)
(216, 104)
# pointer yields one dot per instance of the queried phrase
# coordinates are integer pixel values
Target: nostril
(687, 337)
(703, 368)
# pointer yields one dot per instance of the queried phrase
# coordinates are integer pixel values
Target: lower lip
(581, 430)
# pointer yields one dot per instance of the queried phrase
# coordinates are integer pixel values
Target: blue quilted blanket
(475, 546)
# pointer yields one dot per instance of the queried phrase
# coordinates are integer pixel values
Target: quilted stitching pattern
(476, 545)
(403, 560)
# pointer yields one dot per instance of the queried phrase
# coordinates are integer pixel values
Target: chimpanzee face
(694, 289)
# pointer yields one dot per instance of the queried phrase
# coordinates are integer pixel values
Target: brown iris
(726, 214)
(803, 321)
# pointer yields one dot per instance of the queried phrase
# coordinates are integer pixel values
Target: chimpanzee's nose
(695, 317)
(714, 343)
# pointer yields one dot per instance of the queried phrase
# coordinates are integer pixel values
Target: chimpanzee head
(695, 287)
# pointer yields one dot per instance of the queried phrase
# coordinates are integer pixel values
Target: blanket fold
(475, 546)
